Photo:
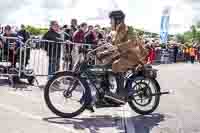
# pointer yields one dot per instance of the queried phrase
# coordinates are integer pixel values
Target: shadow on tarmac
(4, 82)
(142, 124)
(19, 85)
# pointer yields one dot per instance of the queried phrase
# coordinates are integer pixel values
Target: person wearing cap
(124, 56)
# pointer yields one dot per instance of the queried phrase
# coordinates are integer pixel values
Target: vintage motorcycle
(86, 85)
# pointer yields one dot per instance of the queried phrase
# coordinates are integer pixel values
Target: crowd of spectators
(77, 33)
(173, 53)
(89, 34)
(82, 34)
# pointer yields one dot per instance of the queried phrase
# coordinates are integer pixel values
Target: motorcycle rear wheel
(145, 91)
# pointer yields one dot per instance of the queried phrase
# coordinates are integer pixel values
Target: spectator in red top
(152, 54)
(79, 35)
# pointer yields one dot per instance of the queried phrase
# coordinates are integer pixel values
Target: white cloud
(140, 13)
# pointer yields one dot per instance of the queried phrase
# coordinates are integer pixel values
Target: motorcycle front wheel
(64, 95)
(143, 101)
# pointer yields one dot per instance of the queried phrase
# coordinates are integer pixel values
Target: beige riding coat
(126, 53)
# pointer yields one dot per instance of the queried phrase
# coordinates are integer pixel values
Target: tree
(140, 32)
(131, 32)
(154, 35)
(36, 31)
(194, 31)
(198, 24)
(197, 39)
(180, 38)
(43, 30)
(147, 33)
(188, 36)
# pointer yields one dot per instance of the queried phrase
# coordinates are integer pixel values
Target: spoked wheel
(64, 95)
(142, 100)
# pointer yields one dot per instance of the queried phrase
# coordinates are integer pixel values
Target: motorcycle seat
(147, 66)
(105, 66)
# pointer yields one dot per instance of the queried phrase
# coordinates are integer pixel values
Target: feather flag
(164, 27)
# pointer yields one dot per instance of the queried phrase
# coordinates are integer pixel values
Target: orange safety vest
(192, 52)
(183, 50)
(187, 50)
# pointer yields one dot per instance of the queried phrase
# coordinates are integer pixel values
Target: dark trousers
(175, 57)
(10, 56)
(187, 57)
(53, 66)
(27, 56)
(120, 83)
(192, 59)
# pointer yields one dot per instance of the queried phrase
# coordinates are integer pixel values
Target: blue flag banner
(164, 37)
(164, 28)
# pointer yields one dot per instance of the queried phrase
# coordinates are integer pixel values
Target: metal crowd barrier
(44, 57)
(39, 58)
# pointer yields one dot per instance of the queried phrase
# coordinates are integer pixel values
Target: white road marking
(130, 128)
(126, 114)
(29, 97)
(31, 116)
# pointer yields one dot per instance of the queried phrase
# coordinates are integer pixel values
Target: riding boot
(87, 98)
(120, 84)
(107, 83)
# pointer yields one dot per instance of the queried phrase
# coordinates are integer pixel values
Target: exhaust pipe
(161, 93)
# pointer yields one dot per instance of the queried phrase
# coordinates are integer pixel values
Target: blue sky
(144, 14)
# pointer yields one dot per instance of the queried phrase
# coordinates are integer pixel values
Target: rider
(119, 34)
(125, 56)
